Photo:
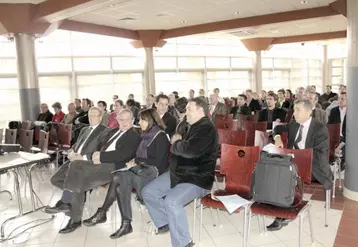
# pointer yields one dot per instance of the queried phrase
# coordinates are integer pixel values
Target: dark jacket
(157, 153)
(170, 123)
(82, 117)
(220, 109)
(334, 116)
(255, 105)
(325, 97)
(194, 157)
(286, 104)
(45, 117)
(317, 139)
(125, 151)
(277, 113)
(244, 110)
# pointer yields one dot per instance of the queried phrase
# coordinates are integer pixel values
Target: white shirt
(343, 112)
(83, 143)
(306, 126)
(212, 109)
(112, 147)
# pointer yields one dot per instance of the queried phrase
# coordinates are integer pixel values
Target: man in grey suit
(317, 113)
(115, 148)
(216, 107)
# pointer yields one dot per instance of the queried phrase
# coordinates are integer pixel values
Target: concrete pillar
(351, 172)
(149, 71)
(257, 72)
(27, 75)
(325, 76)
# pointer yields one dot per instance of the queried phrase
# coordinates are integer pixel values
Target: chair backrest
(10, 136)
(65, 134)
(232, 137)
(334, 131)
(26, 125)
(252, 118)
(224, 117)
(237, 164)
(26, 139)
(43, 141)
(1, 135)
(289, 115)
(303, 159)
(251, 127)
(224, 122)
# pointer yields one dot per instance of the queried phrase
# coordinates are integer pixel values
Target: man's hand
(278, 141)
(131, 164)
(175, 138)
(278, 120)
(72, 156)
(96, 157)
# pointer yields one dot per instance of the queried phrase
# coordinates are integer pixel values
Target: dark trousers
(78, 177)
(121, 187)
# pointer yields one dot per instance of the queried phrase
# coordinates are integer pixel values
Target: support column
(257, 72)
(351, 172)
(149, 71)
(325, 78)
(27, 75)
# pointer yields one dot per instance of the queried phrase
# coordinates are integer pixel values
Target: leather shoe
(191, 244)
(98, 218)
(70, 227)
(60, 207)
(163, 229)
(278, 224)
(125, 229)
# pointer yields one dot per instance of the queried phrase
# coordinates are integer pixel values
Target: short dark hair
(88, 101)
(180, 104)
(151, 95)
(152, 117)
(57, 105)
(130, 102)
(330, 87)
(175, 93)
(120, 102)
(200, 102)
(161, 96)
(243, 96)
(115, 96)
(77, 99)
(192, 90)
(273, 95)
(131, 95)
(281, 91)
(103, 103)
(290, 92)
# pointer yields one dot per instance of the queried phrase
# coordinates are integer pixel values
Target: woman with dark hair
(131, 105)
(151, 160)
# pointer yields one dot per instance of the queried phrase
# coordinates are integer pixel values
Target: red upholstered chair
(303, 160)
(65, 135)
(237, 165)
(26, 139)
(224, 122)
(252, 118)
(251, 127)
(10, 136)
(289, 115)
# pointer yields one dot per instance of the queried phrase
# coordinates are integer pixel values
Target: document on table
(270, 148)
(233, 202)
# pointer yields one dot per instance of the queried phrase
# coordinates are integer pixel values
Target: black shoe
(125, 229)
(60, 207)
(163, 229)
(70, 227)
(278, 224)
(191, 244)
(98, 218)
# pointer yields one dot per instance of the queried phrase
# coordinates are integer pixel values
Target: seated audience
(202, 94)
(271, 113)
(171, 108)
(283, 103)
(191, 175)
(151, 159)
(180, 105)
(170, 122)
(150, 102)
(112, 119)
(111, 107)
(327, 95)
(176, 94)
(103, 106)
(216, 91)
(116, 148)
(191, 94)
(305, 132)
(78, 105)
(68, 119)
(136, 104)
(59, 115)
(334, 100)
(130, 104)
(300, 94)
(251, 102)
(45, 115)
(317, 113)
(241, 108)
(216, 107)
(82, 117)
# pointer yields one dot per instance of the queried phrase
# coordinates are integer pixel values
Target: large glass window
(96, 87)
(127, 63)
(48, 65)
(55, 89)
(275, 79)
(127, 83)
(8, 66)
(92, 64)
(9, 101)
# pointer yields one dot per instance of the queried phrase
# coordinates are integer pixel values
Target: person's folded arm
(320, 148)
(196, 145)
(279, 129)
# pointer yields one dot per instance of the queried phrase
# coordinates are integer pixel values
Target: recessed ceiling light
(304, 2)
(183, 22)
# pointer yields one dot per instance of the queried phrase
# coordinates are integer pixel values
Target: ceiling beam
(98, 29)
(52, 9)
(340, 7)
(250, 22)
(257, 44)
(309, 37)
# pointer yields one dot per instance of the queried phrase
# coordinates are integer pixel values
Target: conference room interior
(98, 49)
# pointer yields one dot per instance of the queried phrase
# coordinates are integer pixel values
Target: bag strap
(252, 183)
(300, 190)
(160, 131)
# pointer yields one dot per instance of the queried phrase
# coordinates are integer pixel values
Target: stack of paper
(233, 202)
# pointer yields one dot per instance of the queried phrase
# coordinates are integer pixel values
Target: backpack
(275, 179)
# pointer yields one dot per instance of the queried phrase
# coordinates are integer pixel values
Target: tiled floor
(228, 233)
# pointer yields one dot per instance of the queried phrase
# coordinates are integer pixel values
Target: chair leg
(259, 223)
(218, 215)
(264, 224)
(300, 240)
(311, 226)
(212, 216)
(245, 230)
(194, 220)
(201, 221)
(334, 179)
(328, 201)
(339, 175)
(248, 226)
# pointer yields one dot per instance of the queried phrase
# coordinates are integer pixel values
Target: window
(92, 64)
(9, 101)
(165, 63)
(8, 66)
(230, 83)
(218, 62)
(55, 89)
(191, 62)
(128, 63)
(7, 49)
(127, 83)
(96, 87)
(275, 80)
(240, 62)
(47, 65)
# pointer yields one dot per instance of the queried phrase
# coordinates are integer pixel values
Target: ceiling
(169, 14)
(22, 1)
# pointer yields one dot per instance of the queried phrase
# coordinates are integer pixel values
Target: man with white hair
(116, 148)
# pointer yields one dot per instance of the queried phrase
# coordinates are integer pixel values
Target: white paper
(233, 202)
(121, 170)
(33, 157)
(270, 148)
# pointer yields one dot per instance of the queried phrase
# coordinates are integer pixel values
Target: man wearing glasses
(169, 120)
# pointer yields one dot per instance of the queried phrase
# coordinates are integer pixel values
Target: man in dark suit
(282, 103)
(317, 113)
(169, 120)
(241, 107)
(216, 107)
(251, 102)
(45, 115)
(150, 102)
(82, 117)
(136, 103)
(117, 147)
(271, 113)
(327, 95)
(305, 132)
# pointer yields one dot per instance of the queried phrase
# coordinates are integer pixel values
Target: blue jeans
(170, 210)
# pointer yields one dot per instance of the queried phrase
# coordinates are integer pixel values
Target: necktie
(111, 140)
(85, 136)
(299, 137)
